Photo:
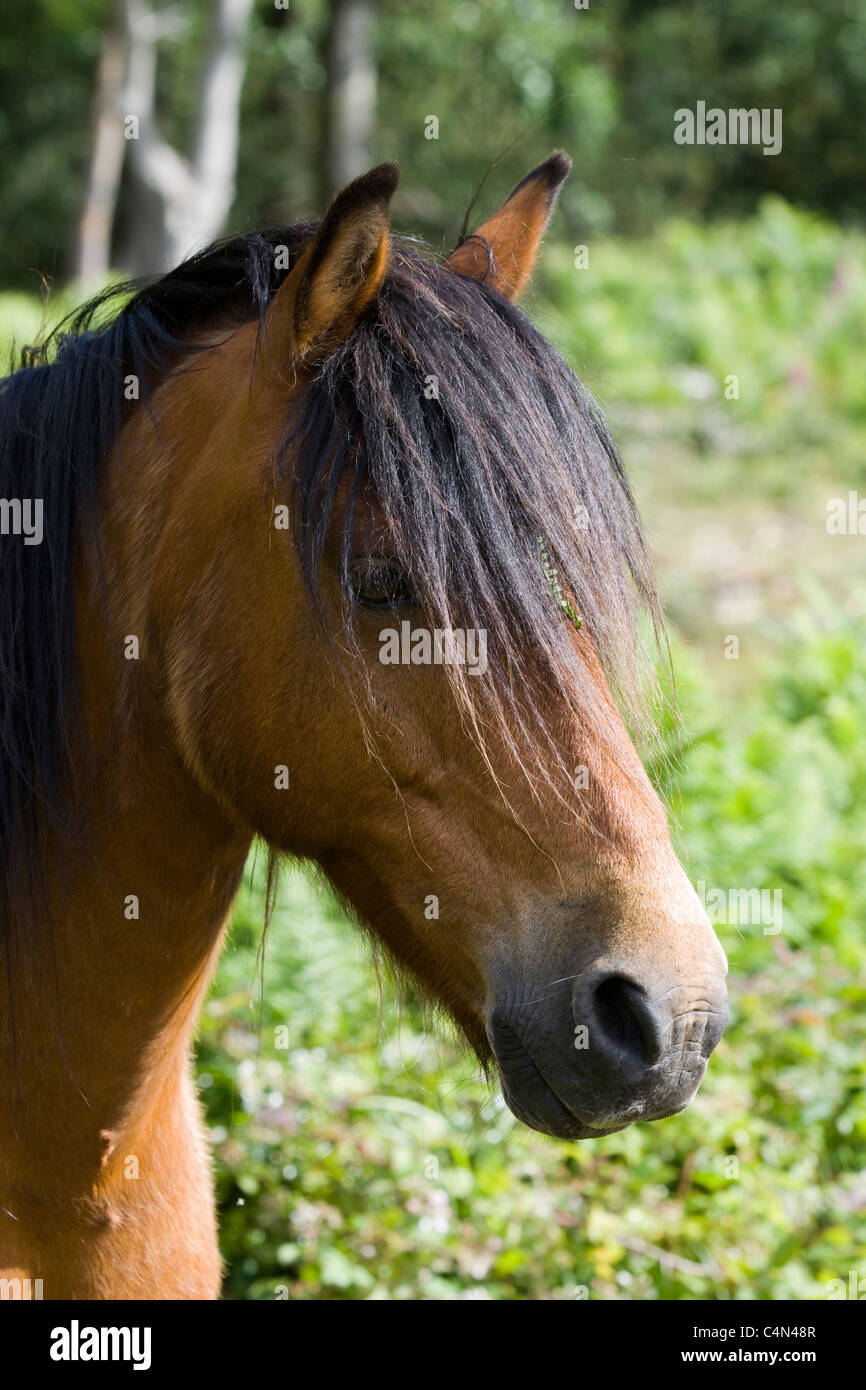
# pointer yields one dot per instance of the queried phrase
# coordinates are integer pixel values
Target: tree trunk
(215, 150)
(350, 98)
(180, 204)
(92, 255)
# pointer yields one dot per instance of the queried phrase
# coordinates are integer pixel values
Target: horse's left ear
(340, 272)
(503, 251)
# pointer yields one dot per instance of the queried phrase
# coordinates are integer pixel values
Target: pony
(250, 472)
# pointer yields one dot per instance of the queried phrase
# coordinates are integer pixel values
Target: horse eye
(382, 584)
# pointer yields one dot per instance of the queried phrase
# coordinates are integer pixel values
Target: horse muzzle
(619, 1049)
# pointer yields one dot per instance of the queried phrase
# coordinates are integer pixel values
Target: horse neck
(106, 995)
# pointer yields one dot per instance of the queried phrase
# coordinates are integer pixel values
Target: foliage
(777, 301)
(603, 81)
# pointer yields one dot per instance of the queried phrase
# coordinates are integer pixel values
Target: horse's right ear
(503, 250)
(341, 271)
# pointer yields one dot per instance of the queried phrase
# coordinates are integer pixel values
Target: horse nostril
(626, 1021)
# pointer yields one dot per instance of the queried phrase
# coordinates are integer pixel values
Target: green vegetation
(603, 82)
(779, 301)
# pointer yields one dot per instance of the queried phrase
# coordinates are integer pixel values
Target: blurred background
(714, 299)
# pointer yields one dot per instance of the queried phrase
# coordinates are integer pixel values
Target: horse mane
(509, 452)
(61, 410)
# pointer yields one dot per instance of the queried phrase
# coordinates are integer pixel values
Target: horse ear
(503, 251)
(341, 271)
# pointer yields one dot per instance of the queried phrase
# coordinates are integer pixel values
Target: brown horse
(338, 553)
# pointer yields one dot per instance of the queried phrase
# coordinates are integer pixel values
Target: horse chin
(543, 1111)
(531, 1098)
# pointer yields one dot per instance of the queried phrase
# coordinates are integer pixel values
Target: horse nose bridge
(658, 936)
(672, 950)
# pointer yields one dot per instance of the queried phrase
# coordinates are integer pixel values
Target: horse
(252, 470)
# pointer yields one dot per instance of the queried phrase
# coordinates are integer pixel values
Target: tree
(350, 98)
(180, 203)
(92, 253)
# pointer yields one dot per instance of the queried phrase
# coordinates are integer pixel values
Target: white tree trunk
(92, 256)
(180, 203)
(351, 91)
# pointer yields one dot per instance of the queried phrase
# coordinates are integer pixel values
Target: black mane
(513, 453)
(60, 414)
